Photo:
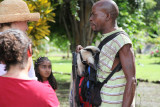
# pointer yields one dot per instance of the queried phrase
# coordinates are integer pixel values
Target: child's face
(45, 69)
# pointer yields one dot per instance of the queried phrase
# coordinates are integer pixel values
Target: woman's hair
(51, 78)
(3, 25)
(13, 48)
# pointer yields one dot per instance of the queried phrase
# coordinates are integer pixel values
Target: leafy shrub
(156, 52)
(40, 30)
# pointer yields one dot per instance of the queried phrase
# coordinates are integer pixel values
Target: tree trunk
(78, 32)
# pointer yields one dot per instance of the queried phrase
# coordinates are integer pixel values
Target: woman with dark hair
(43, 70)
(16, 87)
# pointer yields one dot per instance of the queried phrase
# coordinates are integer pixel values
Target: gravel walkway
(148, 95)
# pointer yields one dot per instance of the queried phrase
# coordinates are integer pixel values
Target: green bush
(156, 52)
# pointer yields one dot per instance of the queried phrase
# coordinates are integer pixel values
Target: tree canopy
(66, 22)
(73, 20)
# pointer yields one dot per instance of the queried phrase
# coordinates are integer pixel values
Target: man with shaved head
(120, 89)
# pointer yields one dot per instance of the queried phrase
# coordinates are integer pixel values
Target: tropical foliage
(40, 30)
(73, 21)
(139, 18)
(133, 18)
(152, 17)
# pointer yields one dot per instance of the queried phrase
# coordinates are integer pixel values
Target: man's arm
(128, 65)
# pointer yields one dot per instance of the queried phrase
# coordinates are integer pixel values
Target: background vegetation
(65, 24)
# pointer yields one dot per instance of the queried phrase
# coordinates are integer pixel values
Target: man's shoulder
(123, 38)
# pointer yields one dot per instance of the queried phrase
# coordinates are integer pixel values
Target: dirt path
(148, 95)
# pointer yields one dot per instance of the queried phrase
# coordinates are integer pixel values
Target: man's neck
(110, 28)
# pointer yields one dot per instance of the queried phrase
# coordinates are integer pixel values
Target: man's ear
(108, 16)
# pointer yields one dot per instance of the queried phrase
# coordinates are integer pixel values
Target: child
(43, 70)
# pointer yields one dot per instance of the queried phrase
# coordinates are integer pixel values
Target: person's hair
(2, 25)
(13, 48)
(51, 78)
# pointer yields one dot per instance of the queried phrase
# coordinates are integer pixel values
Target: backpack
(90, 87)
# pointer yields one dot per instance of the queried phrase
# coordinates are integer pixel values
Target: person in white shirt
(14, 14)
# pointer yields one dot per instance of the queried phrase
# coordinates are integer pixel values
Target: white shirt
(2, 71)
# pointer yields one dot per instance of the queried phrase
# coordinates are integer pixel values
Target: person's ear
(29, 50)
(108, 16)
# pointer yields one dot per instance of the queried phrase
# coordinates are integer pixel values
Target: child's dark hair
(51, 78)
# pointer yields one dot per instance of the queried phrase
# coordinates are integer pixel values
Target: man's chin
(94, 30)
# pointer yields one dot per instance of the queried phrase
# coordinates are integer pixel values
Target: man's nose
(90, 19)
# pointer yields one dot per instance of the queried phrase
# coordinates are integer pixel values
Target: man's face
(97, 19)
(21, 25)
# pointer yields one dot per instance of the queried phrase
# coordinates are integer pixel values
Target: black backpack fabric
(90, 87)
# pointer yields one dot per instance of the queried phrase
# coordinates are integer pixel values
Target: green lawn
(146, 67)
(63, 66)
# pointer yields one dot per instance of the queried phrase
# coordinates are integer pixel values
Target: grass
(147, 67)
(63, 66)
(63, 94)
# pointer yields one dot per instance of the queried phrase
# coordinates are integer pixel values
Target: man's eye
(92, 14)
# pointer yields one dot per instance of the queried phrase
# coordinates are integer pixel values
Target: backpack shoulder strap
(107, 39)
(117, 68)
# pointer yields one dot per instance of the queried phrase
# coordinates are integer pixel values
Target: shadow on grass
(63, 89)
(63, 93)
(158, 63)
